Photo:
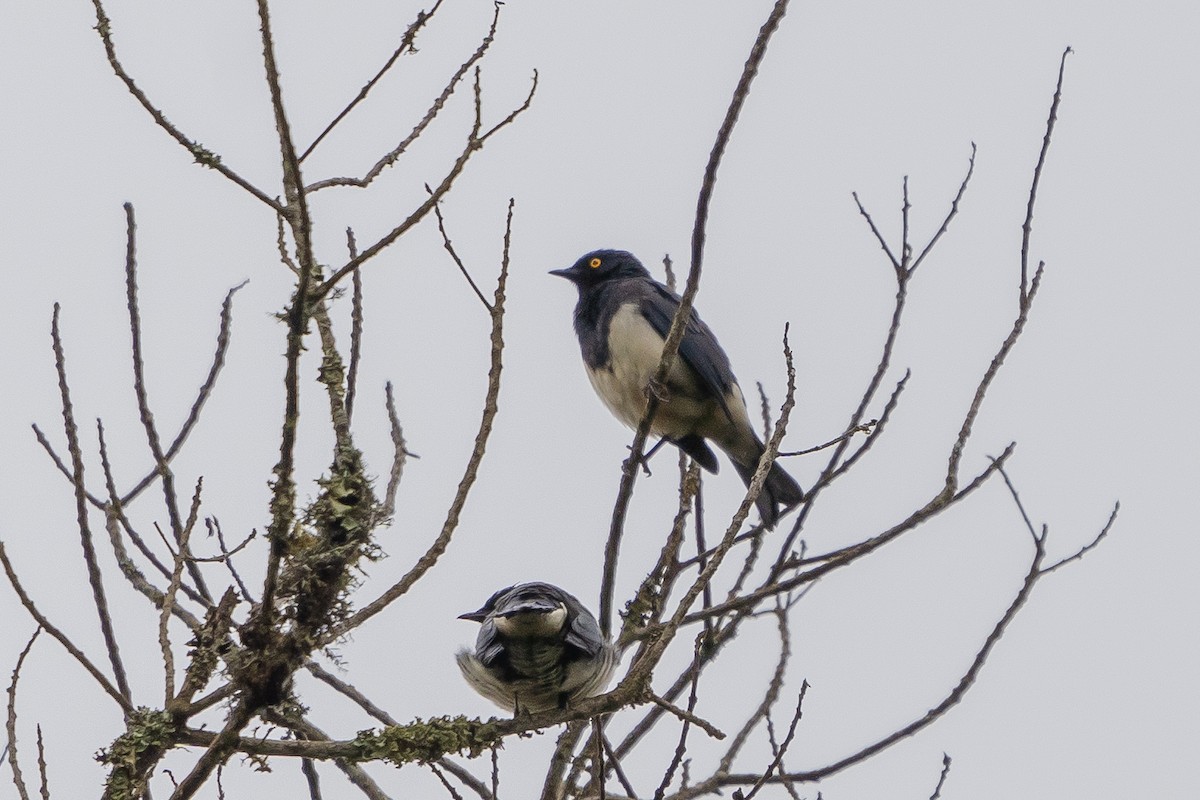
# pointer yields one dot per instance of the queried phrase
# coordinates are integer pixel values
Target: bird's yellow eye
(594, 263)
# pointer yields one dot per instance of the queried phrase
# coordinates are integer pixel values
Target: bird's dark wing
(582, 631)
(699, 348)
(488, 646)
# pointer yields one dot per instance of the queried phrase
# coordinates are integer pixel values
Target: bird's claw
(659, 391)
(643, 460)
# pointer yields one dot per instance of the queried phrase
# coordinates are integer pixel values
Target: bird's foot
(659, 391)
(644, 461)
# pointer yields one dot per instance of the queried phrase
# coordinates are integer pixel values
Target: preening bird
(538, 648)
(622, 319)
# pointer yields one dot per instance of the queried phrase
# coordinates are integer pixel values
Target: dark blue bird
(622, 320)
(538, 648)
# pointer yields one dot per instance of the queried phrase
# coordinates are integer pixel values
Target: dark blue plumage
(622, 319)
(538, 648)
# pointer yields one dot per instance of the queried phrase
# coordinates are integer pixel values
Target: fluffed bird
(538, 648)
(622, 319)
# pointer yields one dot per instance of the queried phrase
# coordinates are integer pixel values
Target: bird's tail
(779, 493)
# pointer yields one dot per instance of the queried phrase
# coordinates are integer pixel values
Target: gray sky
(1092, 692)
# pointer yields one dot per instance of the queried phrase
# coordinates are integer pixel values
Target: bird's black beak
(567, 273)
(474, 616)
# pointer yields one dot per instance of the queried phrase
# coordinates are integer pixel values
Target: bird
(538, 649)
(622, 319)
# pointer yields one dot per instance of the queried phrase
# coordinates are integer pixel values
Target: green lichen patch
(423, 741)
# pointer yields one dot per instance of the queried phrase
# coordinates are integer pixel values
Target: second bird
(538, 649)
(622, 320)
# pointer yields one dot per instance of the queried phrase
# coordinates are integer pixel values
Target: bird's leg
(644, 461)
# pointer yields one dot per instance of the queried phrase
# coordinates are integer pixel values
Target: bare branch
(1027, 226)
(683, 312)
(58, 462)
(311, 778)
(900, 271)
(139, 387)
(865, 427)
(688, 716)
(475, 142)
(75, 652)
(1087, 548)
(164, 638)
(770, 697)
(81, 512)
(552, 786)
(490, 408)
(283, 496)
(224, 333)
(445, 783)
(406, 45)
(962, 189)
(446, 243)
(356, 324)
(114, 521)
(214, 528)
(219, 749)
(783, 748)
(959, 691)
(400, 452)
(937, 790)
(13, 761)
(202, 155)
(394, 154)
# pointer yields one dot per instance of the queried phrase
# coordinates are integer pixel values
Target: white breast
(635, 349)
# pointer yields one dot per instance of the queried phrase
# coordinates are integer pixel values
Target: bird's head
(530, 609)
(602, 265)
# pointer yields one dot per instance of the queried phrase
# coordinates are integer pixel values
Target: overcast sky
(1091, 693)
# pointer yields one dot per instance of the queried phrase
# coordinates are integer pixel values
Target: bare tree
(244, 646)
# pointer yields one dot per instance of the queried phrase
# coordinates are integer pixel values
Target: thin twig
(81, 512)
(475, 142)
(937, 790)
(224, 334)
(552, 787)
(114, 520)
(203, 156)
(490, 408)
(11, 726)
(1027, 226)
(356, 324)
(962, 190)
(688, 716)
(406, 45)
(1087, 548)
(311, 778)
(445, 783)
(777, 761)
(214, 527)
(75, 652)
(863, 428)
(449, 247)
(400, 452)
(770, 696)
(164, 617)
(431, 114)
(170, 497)
(680, 753)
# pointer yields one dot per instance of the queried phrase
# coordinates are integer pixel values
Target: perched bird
(538, 648)
(622, 320)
